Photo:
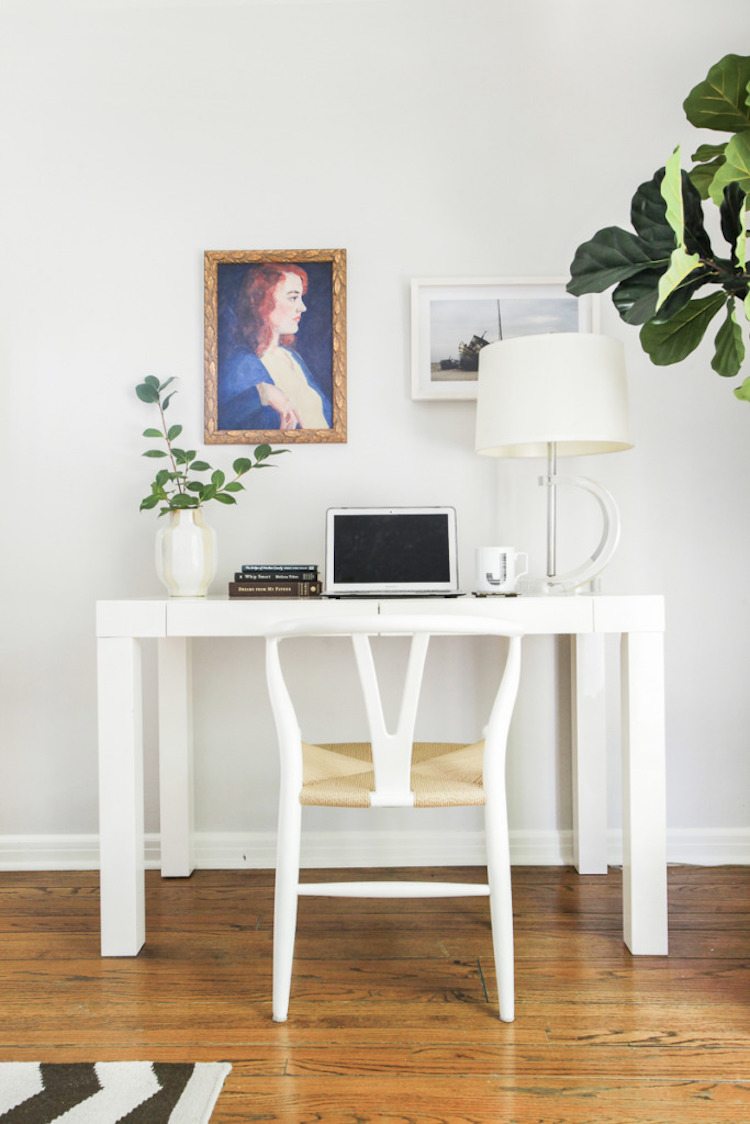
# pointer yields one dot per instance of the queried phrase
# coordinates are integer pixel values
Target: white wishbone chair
(391, 770)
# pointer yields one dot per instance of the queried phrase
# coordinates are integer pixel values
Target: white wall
(428, 138)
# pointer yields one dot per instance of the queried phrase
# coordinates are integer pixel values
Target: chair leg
(501, 910)
(285, 904)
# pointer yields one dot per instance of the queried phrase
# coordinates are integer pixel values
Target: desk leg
(121, 832)
(589, 744)
(644, 873)
(175, 757)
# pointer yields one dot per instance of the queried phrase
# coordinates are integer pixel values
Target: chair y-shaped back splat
(391, 752)
(393, 779)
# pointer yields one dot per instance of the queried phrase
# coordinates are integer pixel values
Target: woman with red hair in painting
(263, 383)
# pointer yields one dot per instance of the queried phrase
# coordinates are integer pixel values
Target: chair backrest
(392, 750)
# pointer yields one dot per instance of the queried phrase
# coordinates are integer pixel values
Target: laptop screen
(391, 550)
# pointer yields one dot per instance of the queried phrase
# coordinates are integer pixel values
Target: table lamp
(558, 394)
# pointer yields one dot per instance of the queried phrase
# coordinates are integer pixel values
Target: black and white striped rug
(109, 1092)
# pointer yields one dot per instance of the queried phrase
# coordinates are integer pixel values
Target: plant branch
(165, 427)
(175, 490)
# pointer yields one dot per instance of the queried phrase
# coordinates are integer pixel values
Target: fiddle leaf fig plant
(176, 487)
(659, 269)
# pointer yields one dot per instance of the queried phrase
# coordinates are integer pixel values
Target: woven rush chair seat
(443, 774)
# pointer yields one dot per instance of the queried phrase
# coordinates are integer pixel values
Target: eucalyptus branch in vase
(175, 487)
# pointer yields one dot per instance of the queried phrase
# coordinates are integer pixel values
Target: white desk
(123, 625)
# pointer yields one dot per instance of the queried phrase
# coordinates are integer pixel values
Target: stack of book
(272, 580)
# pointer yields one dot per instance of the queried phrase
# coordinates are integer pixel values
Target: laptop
(391, 552)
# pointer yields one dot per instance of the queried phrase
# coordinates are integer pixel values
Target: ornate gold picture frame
(275, 346)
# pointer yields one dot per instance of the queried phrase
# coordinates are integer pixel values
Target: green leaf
(152, 381)
(671, 191)
(648, 216)
(168, 399)
(720, 101)
(743, 392)
(147, 393)
(706, 152)
(154, 453)
(152, 433)
(195, 486)
(242, 465)
(732, 215)
(218, 478)
(696, 238)
(222, 497)
(180, 456)
(161, 477)
(680, 268)
(635, 298)
(702, 176)
(670, 341)
(235, 486)
(730, 350)
(149, 502)
(710, 158)
(164, 385)
(611, 256)
(262, 451)
(181, 501)
(677, 300)
(200, 466)
(683, 210)
(174, 432)
(740, 249)
(736, 168)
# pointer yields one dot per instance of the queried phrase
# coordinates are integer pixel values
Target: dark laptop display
(391, 551)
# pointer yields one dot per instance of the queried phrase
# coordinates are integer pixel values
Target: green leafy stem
(175, 487)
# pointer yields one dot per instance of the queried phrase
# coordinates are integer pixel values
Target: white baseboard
(327, 849)
(709, 846)
(228, 851)
(60, 852)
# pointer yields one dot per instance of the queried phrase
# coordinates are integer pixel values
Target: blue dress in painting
(239, 404)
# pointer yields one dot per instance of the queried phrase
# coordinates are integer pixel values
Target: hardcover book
(257, 567)
(278, 573)
(261, 589)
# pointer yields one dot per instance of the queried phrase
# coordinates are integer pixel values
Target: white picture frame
(453, 316)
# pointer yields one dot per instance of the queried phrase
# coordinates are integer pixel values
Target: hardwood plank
(536, 1061)
(467, 1100)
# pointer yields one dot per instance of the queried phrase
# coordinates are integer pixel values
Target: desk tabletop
(556, 614)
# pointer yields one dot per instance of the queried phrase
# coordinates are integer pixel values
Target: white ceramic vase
(186, 553)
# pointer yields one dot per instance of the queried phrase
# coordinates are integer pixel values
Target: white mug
(499, 568)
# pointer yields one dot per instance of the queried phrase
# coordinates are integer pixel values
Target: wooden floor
(393, 1015)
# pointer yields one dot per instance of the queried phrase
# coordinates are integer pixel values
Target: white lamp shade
(570, 388)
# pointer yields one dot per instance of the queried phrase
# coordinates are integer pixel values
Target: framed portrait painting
(452, 320)
(275, 346)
